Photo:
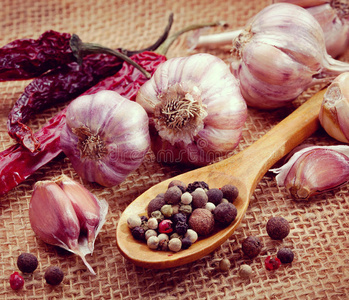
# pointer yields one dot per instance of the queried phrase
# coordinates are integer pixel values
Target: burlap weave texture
(319, 228)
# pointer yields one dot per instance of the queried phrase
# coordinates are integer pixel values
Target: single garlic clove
(53, 219)
(314, 170)
(90, 211)
(334, 112)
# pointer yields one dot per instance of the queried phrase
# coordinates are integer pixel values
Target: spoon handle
(275, 144)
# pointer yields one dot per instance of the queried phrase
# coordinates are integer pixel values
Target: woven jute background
(319, 228)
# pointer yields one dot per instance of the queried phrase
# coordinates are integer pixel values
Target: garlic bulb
(334, 112)
(106, 137)
(59, 216)
(333, 17)
(279, 54)
(196, 109)
(314, 170)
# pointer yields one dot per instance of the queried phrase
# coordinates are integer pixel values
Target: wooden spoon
(244, 170)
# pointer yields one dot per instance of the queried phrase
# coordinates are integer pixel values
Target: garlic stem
(334, 67)
(217, 39)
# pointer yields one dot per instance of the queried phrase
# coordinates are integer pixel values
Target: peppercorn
(156, 204)
(186, 242)
(153, 242)
(225, 213)
(278, 228)
(197, 184)
(215, 196)
(245, 271)
(251, 246)
(230, 192)
(27, 262)
(165, 226)
(181, 227)
(134, 221)
(186, 209)
(272, 263)
(210, 206)
(54, 275)
(152, 223)
(157, 215)
(173, 195)
(179, 217)
(199, 198)
(149, 233)
(16, 281)
(178, 183)
(175, 244)
(285, 255)
(202, 221)
(192, 235)
(138, 233)
(186, 198)
(224, 265)
(167, 210)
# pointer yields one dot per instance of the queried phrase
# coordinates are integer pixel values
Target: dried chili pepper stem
(81, 49)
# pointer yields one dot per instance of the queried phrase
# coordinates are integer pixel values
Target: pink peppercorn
(272, 263)
(16, 281)
(165, 226)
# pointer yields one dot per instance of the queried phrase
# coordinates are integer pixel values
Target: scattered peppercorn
(197, 184)
(225, 213)
(285, 255)
(278, 228)
(54, 275)
(156, 204)
(251, 246)
(173, 195)
(245, 271)
(138, 233)
(16, 281)
(178, 183)
(224, 265)
(214, 196)
(202, 221)
(27, 262)
(272, 263)
(230, 192)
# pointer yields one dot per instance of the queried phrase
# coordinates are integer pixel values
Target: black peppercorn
(181, 227)
(214, 196)
(27, 262)
(197, 184)
(251, 246)
(225, 213)
(54, 275)
(186, 243)
(138, 233)
(156, 204)
(230, 192)
(278, 228)
(180, 184)
(285, 255)
(179, 217)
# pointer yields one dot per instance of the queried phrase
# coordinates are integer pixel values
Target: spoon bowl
(244, 170)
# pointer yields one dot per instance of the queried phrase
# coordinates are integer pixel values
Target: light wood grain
(245, 170)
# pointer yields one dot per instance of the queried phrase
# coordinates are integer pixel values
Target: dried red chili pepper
(17, 163)
(28, 58)
(65, 83)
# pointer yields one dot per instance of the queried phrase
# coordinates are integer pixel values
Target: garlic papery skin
(334, 112)
(314, 170)
(54, 220)
(106, 137)
(195, 108)
(279, 54)
(90, 211)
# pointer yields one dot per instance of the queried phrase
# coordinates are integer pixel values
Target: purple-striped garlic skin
(106, 137)
(314, 170)
(196, 109)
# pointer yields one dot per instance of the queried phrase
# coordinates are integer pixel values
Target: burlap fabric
(319, 228)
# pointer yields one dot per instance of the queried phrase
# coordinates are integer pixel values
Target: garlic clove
(334, 112)
(314, 170)
(53, 219)
(90, 211)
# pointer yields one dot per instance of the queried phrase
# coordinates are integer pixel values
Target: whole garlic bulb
(279, 54)
(196, 109)
(314, 170)
(106, 137)
(334, 112)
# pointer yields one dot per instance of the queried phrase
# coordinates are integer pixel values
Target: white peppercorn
(153, 242)
(153, 223)
(210, 206)
(245, 271)
(149, 233)
(175, 244)
(224, 264)
(134, 221)
(186, 198)
(192, 235)
(163, 236)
